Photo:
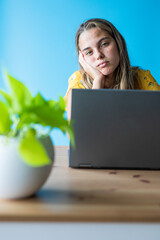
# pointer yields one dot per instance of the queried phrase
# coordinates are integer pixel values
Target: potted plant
(26, 149)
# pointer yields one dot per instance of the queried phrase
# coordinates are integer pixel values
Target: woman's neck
(109, 81)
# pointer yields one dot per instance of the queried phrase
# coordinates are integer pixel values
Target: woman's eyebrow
(86, 49)
(104, 38)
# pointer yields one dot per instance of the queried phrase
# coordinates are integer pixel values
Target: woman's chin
(105, 73)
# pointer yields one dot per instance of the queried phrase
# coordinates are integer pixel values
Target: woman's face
(100, 50)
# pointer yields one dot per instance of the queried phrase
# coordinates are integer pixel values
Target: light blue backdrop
(37, 39)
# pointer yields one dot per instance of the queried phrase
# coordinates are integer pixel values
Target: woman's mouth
(102, 64)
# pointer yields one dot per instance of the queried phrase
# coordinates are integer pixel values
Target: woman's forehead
(92, 36)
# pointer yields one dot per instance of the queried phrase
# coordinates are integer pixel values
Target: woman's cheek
(89, 61)
(86, 58)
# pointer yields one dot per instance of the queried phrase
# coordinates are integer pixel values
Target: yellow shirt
(145, 81)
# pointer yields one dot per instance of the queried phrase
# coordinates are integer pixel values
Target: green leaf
(62, 103)
(28, 112)
(20, 93)
(47, 115)
(38, 100)
(33, 152)
(51, 103)
(71, 134)
(51, 113)
(5, 121)
(27, 118)
(7, 97)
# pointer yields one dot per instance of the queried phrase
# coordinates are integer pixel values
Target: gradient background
(37, 39)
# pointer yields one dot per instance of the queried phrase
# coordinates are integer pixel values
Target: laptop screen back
(116, 129)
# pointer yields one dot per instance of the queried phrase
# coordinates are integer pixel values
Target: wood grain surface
(87, 195)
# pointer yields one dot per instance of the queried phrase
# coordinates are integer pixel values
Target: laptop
(115, 129)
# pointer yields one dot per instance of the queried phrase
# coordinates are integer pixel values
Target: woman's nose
(99, 54)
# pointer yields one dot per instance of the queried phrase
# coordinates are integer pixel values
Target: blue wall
(37, 39)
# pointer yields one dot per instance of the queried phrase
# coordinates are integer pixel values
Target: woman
(104, 61)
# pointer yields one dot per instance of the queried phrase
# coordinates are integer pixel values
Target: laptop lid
(116, 129)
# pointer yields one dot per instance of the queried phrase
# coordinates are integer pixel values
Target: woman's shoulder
(76, 74)
(75, 80)
(75, 77)
(145, 80)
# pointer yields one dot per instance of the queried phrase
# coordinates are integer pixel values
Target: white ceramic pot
(17, 179)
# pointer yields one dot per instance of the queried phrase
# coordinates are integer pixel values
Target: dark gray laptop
(116, 129)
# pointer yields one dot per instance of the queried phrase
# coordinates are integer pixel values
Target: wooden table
(82, 195)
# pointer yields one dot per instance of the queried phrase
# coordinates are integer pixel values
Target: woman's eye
(104, 44)
(89, 53)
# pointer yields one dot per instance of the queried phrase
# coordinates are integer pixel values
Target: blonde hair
(124, 73)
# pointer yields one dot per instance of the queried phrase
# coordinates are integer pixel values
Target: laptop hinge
(87, 165)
